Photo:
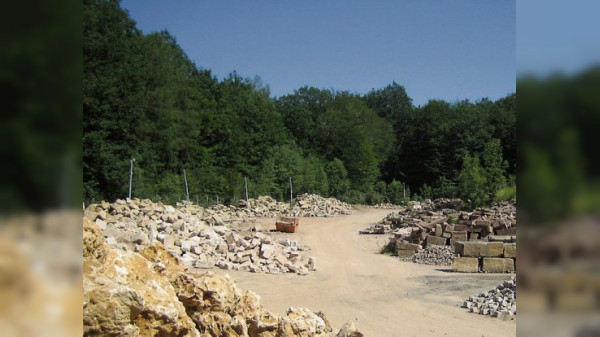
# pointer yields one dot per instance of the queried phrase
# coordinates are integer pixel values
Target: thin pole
(187, 192)
(130, 175)
(217, 199)
(246, 188)
(404, 189)
(291, 192)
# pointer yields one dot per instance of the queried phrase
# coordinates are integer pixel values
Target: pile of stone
(500, 302)
(485, 256)
(386, 205)
(434, 224)
(433, 255)
(151, 293)
(311, 205)
(258, 253)
(447, 224)
(306, 205)
(199, 238)
(265, 207)
(412, 216)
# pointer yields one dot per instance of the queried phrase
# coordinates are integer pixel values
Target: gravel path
(384, 296)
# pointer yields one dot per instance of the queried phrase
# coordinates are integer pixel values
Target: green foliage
(337, 176)
(143, 98)
(445, 188)
(494, 167)
(395, 192)
(507, 193)
(472, 182)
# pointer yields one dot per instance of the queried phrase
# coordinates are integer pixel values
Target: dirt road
(383, 296)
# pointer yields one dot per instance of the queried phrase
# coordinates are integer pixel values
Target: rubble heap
(199, 238)
(433, 255)
(501, 217)
(385, 205)
(306, 205)
(311, 205)
(151, 293)
(263, 207)
(500, 302)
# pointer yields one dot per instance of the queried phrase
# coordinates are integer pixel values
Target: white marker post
(187, 192)
(130, 176)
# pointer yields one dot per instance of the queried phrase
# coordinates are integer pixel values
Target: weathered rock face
(151, 293)
(349, 330)
(124, 296)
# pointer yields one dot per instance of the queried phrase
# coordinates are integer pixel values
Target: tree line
(143, 98)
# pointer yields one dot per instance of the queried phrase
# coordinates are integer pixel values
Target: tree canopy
(144, 99)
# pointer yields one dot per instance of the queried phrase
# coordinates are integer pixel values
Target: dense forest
(143, 98)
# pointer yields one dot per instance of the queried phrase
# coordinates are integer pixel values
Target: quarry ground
(382, 295)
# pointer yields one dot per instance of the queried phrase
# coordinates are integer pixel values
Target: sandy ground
(382, 295)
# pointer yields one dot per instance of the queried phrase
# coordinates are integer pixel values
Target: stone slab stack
(485, 256)
(436, 224)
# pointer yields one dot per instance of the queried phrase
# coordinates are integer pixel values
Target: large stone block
(407, 246)
(507, 231)
(439, 230)
(405, 253)
(497, 265)
(465, 264)
(436, 240)
(462, 228)
(459, 235)
(480, 248)
(510, 250)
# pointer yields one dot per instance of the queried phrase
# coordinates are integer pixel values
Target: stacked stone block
(485, 256)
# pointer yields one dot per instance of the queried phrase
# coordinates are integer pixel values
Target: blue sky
(557, 36)
(450, 50)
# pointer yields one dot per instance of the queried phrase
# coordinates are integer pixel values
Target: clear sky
(557, 36)
(445, 49)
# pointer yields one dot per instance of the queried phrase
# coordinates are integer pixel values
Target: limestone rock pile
(265, 207)
(306, 205)
(499, 302)
(198, 238)
(433, 255)
(311, 205)
(151, 293)
(386, 205)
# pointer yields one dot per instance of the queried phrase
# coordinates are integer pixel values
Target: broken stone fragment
(266, 251)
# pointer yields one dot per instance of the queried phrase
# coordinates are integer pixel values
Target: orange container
(288, 225)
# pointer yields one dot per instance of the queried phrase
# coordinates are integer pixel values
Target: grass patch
(508, 193)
